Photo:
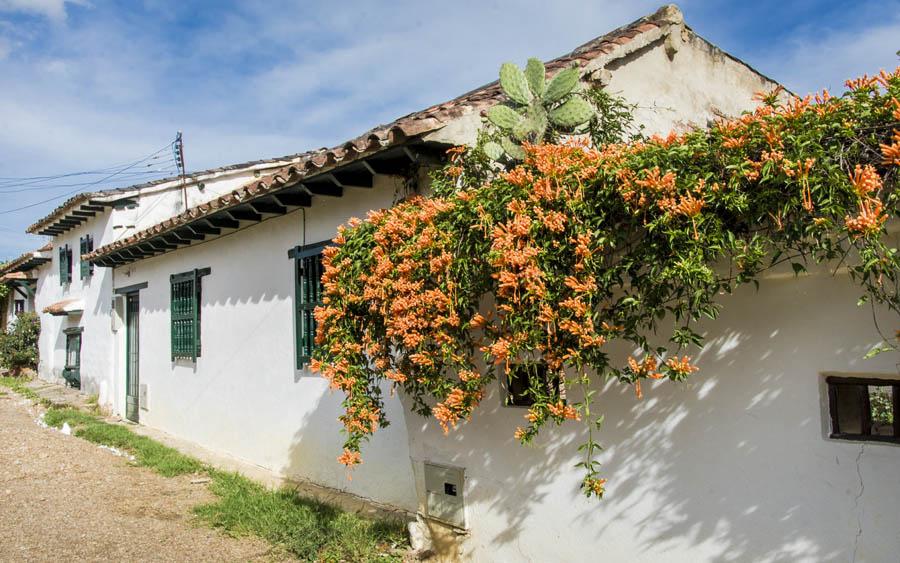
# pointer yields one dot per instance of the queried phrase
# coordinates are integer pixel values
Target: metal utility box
(142, 396)
(117, 312)
(444, 491)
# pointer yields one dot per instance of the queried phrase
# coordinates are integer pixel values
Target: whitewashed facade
(736, 464)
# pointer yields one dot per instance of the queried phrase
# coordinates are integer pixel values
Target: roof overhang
(291, 187)
(66, 307)
(79, 209)
(27, 261)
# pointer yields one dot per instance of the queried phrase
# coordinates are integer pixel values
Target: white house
(200, 327)
(20, 279)
(74, 297)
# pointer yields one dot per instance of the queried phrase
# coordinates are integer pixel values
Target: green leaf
(493, 150)
(504, 117)
(576, 111)
(562, 84)
(878, 350)
(536, 74)
(512, 149)
(798, 268)
(514, 84)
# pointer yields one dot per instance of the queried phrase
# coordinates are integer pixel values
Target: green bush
(18, 347)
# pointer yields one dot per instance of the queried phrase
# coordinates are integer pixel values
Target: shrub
(18, 347)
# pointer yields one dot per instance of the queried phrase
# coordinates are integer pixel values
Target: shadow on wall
(732, 465)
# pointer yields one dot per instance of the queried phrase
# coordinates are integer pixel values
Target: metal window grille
(307, 296)
(185, 314)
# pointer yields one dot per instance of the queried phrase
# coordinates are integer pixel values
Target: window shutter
(65, 264)
(68, 264)
(185, 314)
(87, 246)
(62, 265)
(307, 296)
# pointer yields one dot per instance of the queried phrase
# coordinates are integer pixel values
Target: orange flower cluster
(563, 411)
(645, 368)
(681, 367)
(577, 246)
(349, 458)
(594, 486)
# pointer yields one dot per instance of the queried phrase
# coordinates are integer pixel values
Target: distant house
(198, 322)
(20, 279)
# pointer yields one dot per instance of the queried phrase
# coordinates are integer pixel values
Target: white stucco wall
(244, 396)
(97, 348)
(733, 465)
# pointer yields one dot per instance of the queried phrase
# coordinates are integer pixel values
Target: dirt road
(63, 498)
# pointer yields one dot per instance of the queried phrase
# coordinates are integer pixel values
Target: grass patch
(307, 529)
(17, 384)
(166, 461)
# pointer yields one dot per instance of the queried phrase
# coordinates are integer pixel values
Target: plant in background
(537, 110)
(577, 246)
(18, 347)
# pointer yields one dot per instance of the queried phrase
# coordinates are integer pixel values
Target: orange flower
(561, 410)
(681, 367)
(869, 220)
(349, 458)
(865, 180)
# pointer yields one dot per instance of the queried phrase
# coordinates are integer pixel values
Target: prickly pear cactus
(534, 107)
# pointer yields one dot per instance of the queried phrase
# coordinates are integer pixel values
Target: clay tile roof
(399, 131)
(28, 260)
(65, 307)
(13, 276)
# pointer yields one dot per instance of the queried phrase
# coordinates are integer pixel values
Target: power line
(101, 180)
(131, 175)
(13, 179)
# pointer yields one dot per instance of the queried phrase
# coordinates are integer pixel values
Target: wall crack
(856, 508)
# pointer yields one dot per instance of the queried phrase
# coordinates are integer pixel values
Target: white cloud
(819, 58)
(54, 10)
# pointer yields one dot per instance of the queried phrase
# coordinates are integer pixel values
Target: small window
(185, 314)
(864, 409)
(19, 307)
(87, 246)
(65, 265)
(519, 382)
(307, 296)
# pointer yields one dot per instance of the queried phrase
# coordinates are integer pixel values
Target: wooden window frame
(832, 381)
(179, 349)
(16, 308)
(308, 269)
(554, 385)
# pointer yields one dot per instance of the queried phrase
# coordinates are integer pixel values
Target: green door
(72, 369)
(132, 349)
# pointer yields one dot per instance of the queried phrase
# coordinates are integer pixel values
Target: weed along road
(64, 498)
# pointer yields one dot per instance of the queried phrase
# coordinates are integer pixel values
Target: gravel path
(63, 498)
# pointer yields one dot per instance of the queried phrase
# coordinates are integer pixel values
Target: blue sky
(87, 84)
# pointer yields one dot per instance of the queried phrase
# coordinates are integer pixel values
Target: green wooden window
(65, 265)
(185, 311)
(87, 246)
(307, 296)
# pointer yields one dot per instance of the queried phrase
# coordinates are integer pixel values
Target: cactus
(534, 106)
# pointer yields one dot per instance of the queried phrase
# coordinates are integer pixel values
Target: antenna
(178, 148)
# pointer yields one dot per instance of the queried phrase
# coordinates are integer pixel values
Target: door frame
(132, 365)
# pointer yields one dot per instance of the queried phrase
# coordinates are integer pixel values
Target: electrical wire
(100, 181)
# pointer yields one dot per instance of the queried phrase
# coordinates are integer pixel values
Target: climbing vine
(579, 245)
